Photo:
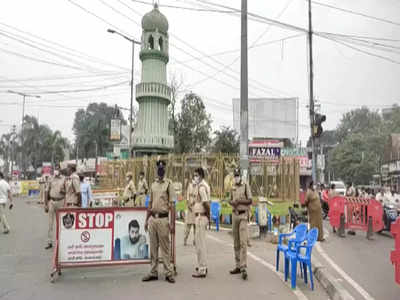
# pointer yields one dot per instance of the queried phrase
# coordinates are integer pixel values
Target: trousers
(239, 230)
(201, 223)
(3, 219)
(53, 207)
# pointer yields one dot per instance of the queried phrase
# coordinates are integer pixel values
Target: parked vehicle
(390, 214)
(340, 187)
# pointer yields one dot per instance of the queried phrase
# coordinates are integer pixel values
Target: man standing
(191, 195)
(201, 211)
(157, 222)
(241, 199)
(133, 245)
(5, 194)
(143, 188)
(73, 189)
(129, 192)
(54, 200)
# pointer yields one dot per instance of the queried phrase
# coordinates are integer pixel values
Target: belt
(160, 215)
(200, 214)
(70, 204)
(56, 199)
(240, 212)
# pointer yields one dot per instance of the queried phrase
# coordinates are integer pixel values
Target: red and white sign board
(102, 236)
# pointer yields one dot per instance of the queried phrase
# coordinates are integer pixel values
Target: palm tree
(57, 145)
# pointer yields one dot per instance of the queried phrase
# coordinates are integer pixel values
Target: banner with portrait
(102, 236)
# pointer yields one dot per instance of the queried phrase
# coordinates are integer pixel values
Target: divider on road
(102, 237)
(395, 254)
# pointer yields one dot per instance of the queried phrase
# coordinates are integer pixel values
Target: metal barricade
(355, 213)
(395, 254)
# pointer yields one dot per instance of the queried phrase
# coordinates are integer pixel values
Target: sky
(204, 56)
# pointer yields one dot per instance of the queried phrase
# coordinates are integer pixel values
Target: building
(275, 118)
(390, 169)
(151, 135)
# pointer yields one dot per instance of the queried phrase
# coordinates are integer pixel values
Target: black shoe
(6, 231)
(170, 279)
(150, 278)
(198, 275)
(235, 271)
(244, 274)
(49, 246)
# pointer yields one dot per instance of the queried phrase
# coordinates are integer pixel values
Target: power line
(185, 8)
(357, 13)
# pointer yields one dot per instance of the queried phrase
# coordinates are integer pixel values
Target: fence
(276, 180)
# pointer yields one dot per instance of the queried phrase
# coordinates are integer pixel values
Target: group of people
(133, 197)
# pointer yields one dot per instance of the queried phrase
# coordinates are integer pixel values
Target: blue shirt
(86, 193)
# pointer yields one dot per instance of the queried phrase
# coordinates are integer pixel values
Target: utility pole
(22, 124)
(132, 74)
(311, 93)
(244, 101)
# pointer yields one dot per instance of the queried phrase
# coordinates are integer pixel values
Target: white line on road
(342, 273)
(299, 294)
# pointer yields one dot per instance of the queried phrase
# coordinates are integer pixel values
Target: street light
(22, 122)
(133, 41)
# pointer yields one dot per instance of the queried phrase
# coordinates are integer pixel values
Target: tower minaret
(151, 134)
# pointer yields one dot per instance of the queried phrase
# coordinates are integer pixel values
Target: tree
(226, 140)
(176, 86)
(92, 129)
(194, 125)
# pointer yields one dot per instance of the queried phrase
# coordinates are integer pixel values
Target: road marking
(299, 294)
(342, 273)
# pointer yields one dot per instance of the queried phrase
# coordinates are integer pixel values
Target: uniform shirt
(142, 186)
(72, 188)
(162, 194)
(4, 189)
(57, 188)
(312, 201)
(133, 251)
(130, 190)
(191, 196)
(241, 191)
(203, 196)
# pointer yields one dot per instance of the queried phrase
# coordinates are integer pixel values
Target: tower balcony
(153, 89)
(153, 142)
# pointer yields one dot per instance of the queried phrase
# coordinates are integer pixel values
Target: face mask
(56, 173)
(161, 172)
(196, 179)
(128, 178)
(237, 179)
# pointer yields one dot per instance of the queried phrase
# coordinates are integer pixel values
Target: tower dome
(155, 20)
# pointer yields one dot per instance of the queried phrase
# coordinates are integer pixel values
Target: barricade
(105, 198)
(94, 237)
(355, 213)
(395, 254)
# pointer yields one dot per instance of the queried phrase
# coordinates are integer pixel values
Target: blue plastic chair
(146, 203)
(215, 213)
(293, 257)
(298, 236)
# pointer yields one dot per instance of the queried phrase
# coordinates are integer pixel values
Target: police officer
(201, 211)
(72, 187)
(191, 195)
(54, 200)
(240, 201)
(157, 223)
(143, 188)
(129, 195)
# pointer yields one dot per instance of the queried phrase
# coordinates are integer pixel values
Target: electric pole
(244, 101)
(311, 93)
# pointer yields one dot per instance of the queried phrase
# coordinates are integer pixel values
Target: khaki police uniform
(240, 192)
(201, 222)
(72, 187)
(56, 201)
(142, 191)
(161, 198)
(191, 195)
(129, 194)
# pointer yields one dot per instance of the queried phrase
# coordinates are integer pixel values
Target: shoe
(194, 243)
(49, 246)
(170, 279)
(235, 271)
(248, 244)
(351, 232)
(198, 275)
(149, 278)
(244, 274)
(184, 243)
(6, 231)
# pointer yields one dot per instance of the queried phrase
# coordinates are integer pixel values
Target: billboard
(265, 150)
(269, 118)
(102, 235)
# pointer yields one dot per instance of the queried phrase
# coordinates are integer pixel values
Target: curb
(332, 286)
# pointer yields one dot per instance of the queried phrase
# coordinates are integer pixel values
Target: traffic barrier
(395, 254)
(105, 198)
(355, 213)
(95, 237)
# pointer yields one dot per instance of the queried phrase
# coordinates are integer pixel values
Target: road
(366, 262)
(25, 269)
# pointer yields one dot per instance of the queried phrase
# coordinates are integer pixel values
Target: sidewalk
(26, 268)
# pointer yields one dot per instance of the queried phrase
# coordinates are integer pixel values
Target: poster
(102, 235)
